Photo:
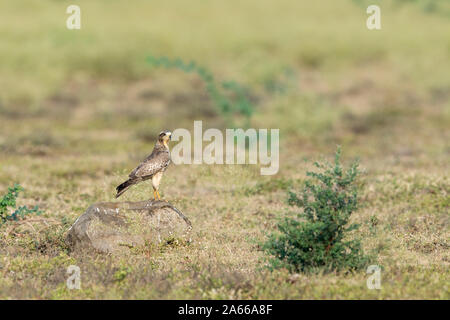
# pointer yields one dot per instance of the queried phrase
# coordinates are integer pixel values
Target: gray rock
(116, 227)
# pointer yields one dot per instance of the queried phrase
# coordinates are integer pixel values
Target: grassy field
(80, 108)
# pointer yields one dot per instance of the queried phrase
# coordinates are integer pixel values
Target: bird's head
(164, 137)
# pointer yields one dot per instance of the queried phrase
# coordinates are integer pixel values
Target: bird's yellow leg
(154, 194)
(159, 197)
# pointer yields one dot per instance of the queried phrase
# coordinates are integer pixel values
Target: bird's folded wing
(151, 165)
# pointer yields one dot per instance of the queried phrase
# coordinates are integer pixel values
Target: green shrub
(317, 237)
(9, 201)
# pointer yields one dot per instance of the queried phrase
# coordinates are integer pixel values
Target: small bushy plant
(9, 201)
(316, 238)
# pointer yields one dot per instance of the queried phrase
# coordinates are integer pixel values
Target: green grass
(79, 109)
(38, 60)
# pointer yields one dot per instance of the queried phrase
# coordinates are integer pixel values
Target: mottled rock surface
(117, 227)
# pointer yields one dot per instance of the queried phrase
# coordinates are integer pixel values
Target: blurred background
(80, 108)
(313, 70)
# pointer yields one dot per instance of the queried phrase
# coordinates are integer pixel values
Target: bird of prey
(152, 167)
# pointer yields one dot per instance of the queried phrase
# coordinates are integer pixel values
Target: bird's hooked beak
(165, 137)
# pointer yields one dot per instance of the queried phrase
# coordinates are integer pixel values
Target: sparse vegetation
(8, 210)
(440, 7)
(271, 185)
(237, 103)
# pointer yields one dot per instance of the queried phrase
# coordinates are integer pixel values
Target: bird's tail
(121, 188)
